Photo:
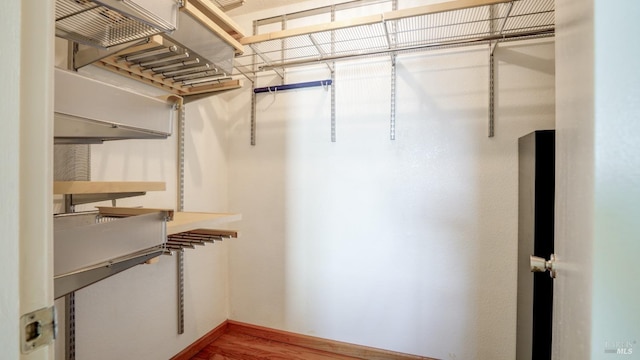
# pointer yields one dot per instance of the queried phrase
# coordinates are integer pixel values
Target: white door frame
(26, 148)
(9, 168)
(596, 307)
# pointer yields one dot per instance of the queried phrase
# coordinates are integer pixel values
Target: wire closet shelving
(455, 23)
(429, 27)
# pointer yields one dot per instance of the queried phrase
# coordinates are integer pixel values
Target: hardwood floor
(234, 340)
(237, 346)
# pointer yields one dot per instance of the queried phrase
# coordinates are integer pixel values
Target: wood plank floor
(238, 346)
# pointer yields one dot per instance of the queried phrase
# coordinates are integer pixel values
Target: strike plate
(38, 328)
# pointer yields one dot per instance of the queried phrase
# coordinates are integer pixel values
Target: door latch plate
(38, 328)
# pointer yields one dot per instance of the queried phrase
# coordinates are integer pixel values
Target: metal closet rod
(293, 86)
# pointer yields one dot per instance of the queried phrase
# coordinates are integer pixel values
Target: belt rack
(198, 237)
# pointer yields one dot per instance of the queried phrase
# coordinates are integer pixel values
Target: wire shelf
(525, 18)
(94, 24)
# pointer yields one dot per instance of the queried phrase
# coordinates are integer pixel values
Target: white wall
(407, 245)
(133, 314)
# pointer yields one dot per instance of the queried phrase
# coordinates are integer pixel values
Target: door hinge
(38, 328)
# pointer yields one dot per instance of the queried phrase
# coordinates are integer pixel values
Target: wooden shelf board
(106, 187)
(369, 20)
(187, 221)
(208, 21)
(219, 17)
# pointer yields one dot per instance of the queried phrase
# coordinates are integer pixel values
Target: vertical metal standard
(491, 94)
(333, 103)
(88, 150)
(253, 113)
(253, 94)
(283, 46)
(333, 78)
(70, 326)
(180, 269)
(392, 44)
(492, 30)
(180, 255)
(393, 98)
(181, 130)
(492, 69)
(69, 305)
